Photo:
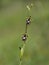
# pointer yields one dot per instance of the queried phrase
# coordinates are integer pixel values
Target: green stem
(21, 57)
(20, 63)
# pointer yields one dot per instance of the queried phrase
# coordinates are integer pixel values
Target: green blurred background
(13, 15)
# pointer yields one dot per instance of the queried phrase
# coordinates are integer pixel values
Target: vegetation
(12, 25)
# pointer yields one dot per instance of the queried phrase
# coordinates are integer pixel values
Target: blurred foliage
(13, 15)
